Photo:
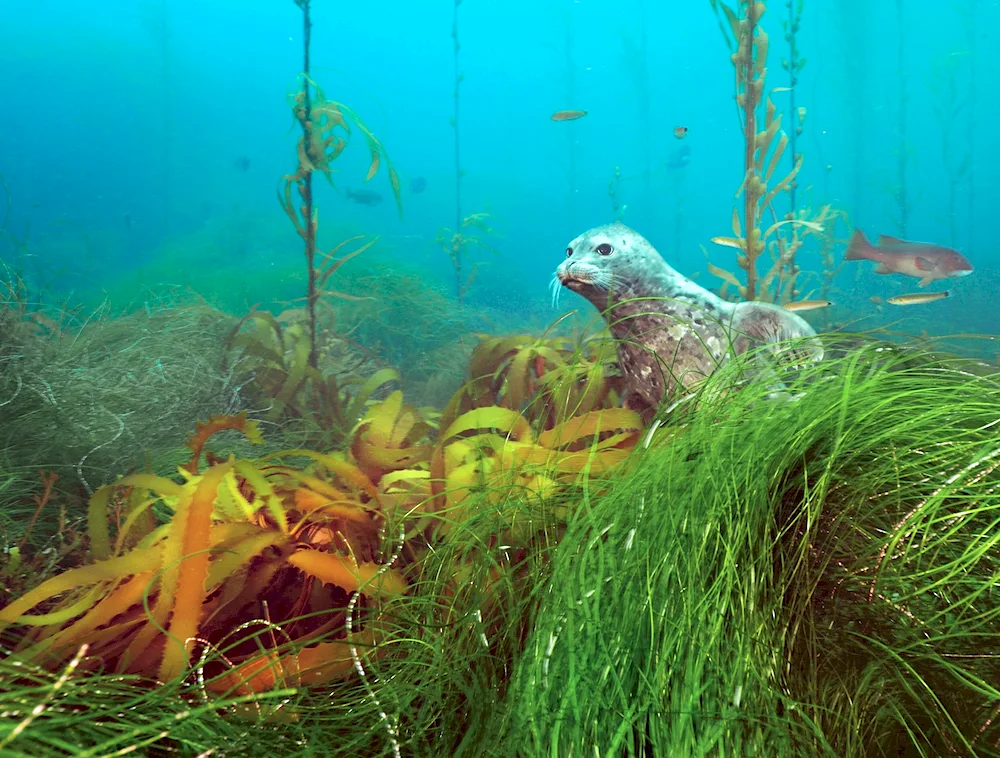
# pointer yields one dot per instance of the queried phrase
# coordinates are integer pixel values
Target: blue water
(150, 137)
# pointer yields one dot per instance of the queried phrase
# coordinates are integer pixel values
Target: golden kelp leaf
(336, 569)
(374, 382)
(394, 183)
(125, 596)
(775, 157)
(110, 570)
(266, 497)
(329, 265)
(344, 469)
(590, 425)
(205, 429)
(191, 530)
(726, 276)
(783, 184)
(504, 420)
(311, 666)
(228, 563)
(737, 227)
(373, 168)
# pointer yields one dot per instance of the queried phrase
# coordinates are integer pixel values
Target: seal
(670, 332)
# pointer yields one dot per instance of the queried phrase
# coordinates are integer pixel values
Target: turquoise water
(143, 142)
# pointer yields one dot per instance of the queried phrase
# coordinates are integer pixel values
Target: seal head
(670, 332)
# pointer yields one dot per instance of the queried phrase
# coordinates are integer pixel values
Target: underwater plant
(793, 64)
(242, 534)
(762, 154)
(827, 590)
(467, 238)
(326, 128)
(327, 399)
(614, 189)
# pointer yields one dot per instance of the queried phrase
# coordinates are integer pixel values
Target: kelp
(326, 129)
(243, 539)
(274, 352)
(548, 379)
(247, 571)
(469, 236)
(764, 147)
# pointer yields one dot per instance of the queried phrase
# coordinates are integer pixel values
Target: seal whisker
(555, 288)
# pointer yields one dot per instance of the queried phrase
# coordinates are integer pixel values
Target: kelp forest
(377, 518)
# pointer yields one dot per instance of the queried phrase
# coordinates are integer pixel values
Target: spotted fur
(671, 333)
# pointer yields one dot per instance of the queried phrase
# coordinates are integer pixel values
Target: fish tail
(859, 248)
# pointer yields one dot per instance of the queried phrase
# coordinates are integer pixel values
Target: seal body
(670, 332)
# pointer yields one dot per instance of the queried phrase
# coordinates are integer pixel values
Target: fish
(923, 260)
(363, 196)
(418, 185)
(806, 305)
(680, 132)
(917, 298)
(679, 158)
(242, 164)
(568, 115)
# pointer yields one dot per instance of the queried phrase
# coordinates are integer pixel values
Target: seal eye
(569, 252)
(605, 249)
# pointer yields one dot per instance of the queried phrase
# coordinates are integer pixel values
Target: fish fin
(925, 281)
(859, 248)
(883, 269)
(923, 264)
(885, 239)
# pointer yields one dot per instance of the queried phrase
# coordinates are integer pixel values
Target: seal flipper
(754, 324)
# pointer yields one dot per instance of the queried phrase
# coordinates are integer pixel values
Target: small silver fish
(806, 305)
(917, 298)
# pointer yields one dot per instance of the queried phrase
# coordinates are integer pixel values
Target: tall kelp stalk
(456, 47)
(902, 149)
(326, 127)
(763, 149)
(470, 230)
(793, 65)
(462, 281)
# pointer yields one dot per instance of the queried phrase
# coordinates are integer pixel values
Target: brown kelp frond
(549, 379)
(326, 131)
(181, 567)
(460, 244)
(765, 144)
(274, 353)
(326, 128)
(242, 536)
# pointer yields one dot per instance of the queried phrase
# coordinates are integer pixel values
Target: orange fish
(680, 132)
(568, 115)
(922, 260)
